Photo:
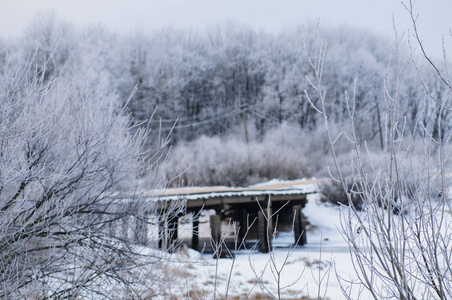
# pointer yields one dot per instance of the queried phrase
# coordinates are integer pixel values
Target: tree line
(194, 83)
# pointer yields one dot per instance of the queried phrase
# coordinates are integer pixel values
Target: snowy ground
(311, 270)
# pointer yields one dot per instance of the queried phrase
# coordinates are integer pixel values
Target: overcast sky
(271, 15)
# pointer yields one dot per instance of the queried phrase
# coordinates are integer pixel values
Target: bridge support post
(195, 231)
(243, 222)
(162, 233)
(264, 230)
(112, 228)
(141, 229)
(173, 227)
(125, 227)
(215, 231)
(168, 232)
(299, 226)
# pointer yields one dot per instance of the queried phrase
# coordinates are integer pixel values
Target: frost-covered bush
(282, 153)
(332, 192)
(400, 241)
(66, 154)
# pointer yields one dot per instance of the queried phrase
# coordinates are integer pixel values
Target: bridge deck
(208, 197)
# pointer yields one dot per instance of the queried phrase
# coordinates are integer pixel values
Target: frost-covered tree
(399, 239)
(66, 157)
(199, 83)
(52, 41)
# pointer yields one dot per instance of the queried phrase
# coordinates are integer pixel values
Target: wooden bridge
(264, 206)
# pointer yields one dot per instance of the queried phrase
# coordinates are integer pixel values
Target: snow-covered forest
(88, 115)
(235, 97)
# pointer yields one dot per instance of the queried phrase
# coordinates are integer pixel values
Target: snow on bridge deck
(272, 185)
(210, 196)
